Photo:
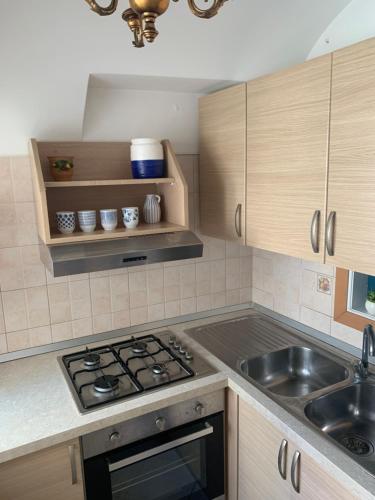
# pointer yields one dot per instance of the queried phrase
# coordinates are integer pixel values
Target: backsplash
(300, 290)
(37, 309)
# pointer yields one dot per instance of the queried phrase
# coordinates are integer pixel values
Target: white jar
(370, 307)
(146, 149)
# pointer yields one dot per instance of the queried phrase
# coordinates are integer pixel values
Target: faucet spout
(368, 349)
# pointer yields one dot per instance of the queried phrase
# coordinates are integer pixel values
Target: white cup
(130, 217)
(108, 218)
(87, 220)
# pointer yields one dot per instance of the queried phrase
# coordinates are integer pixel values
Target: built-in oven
(176, 453)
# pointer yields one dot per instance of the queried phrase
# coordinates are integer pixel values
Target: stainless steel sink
(294, 372)
(348, 416)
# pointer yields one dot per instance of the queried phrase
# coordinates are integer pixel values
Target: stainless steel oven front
(176, 453)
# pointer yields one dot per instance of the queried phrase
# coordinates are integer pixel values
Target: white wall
(355, 23)
(120, 114)
(48, 49)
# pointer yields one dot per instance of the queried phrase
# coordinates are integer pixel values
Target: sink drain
(357, 445)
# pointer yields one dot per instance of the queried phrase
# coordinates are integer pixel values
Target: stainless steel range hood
(103, 255)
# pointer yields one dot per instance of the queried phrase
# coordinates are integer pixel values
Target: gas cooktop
(110, 373)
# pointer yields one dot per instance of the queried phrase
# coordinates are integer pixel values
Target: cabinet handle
(330, 233)
(314, 231)
(237, 220)
(281, 459)
(73, 465)
(295, 473)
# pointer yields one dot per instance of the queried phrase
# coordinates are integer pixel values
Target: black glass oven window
(177, 474)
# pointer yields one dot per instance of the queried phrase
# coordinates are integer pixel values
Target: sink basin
(348, 416)
(294, 372)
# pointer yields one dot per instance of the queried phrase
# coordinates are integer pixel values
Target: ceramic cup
(66, 222)
(87, 220)
(131, 217)
(108, 218)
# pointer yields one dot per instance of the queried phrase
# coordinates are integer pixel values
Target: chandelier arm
(206, 13)
(103, 11)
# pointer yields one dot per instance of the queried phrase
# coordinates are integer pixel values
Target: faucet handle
(371, 339)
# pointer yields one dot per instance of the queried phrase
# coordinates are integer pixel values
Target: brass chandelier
(142, 14)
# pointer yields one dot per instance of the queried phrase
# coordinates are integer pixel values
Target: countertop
(38, 410)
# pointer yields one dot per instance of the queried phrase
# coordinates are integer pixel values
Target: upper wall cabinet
(223, 163)
(287, 153)
(351, 192)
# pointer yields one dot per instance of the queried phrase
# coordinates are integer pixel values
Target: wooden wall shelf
(102, 179)
(113, 182)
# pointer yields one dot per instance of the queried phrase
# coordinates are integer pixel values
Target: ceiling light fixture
(142, 14)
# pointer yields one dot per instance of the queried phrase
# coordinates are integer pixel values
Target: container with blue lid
(147, 158)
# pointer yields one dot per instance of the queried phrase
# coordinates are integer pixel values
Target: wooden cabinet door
(315, 483)
(287, 154)
(222, 125)
(258, 447)
(351, 186)
(44, 475)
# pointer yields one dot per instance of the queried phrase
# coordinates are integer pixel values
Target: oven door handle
(208, 429)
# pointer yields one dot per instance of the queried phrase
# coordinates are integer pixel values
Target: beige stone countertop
(38, 410)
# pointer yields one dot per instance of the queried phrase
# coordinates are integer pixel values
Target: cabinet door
(47, 474)
(222, 118)
(287, 153)
(315, 483)
(258, 447)
(351, 186)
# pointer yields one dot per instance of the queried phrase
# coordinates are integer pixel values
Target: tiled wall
(36, 309)
(290, 287)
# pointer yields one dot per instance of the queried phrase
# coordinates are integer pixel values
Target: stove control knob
(188, 355)
(177, 345)
(199, 408)
(115, 436)
(182, 349)
(171, 340)
(160, 423)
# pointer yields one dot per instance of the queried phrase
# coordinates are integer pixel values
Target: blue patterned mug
(131, 217)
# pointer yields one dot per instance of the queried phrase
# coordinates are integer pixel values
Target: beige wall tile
(233, 277)
(262, 298)
(232, 297)
(218, 276)
(316, 320)
(80, 299)
(156, 312)
(37, 306)
(172, 309)
(6, 190)
(245, 295)
(102, 323)
(346, 334)
(119, 285)
(40, 336)
(2, 319)
(3, 344)
(218, 299)
(189, 306)
(11, 272)
(21, 179)
(121, 319)
(203, 303)
(15, 310)
(138, 289)
(59, 302)
(8, 236)
(33, 270)
(100, 296)
(138, 316)
(61, 331)
(82, 327)
(17, 341)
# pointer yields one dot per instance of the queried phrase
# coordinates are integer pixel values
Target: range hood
(63, 260)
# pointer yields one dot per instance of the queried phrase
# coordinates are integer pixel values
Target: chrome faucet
(368, 349)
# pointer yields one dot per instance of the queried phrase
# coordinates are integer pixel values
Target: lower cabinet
(54, 473)
(271, 467)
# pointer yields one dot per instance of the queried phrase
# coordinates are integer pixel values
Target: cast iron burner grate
(357, 445)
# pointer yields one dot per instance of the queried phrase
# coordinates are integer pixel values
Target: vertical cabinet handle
(295, 473)
(73, 465)
(281, 459)
(237, 220)
(314, 231)
(330, 233)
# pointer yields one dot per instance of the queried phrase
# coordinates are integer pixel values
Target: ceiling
(49, 49)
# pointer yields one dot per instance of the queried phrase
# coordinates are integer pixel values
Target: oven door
(185, 463)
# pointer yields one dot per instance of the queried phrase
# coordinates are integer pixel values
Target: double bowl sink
(305, 379)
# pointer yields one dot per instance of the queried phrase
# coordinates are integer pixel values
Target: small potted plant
(61, 168)
(370, 302)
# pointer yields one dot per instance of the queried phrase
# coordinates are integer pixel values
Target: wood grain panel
(351, 188)
(231, 445)
(222, 169)
(259, 443)
(287, 153)
(43, 475)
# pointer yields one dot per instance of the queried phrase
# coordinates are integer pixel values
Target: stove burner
(106, 383)
(139, 347)
(91, 359)
(158, 369)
